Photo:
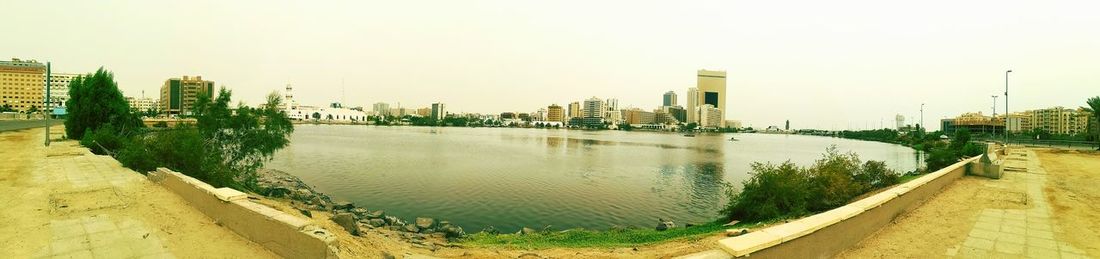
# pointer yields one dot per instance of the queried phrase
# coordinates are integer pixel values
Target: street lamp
(921, 128)
(1006, 107)
(993, 118)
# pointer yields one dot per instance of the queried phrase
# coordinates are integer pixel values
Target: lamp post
(46, 113)
(1006, 106)
(921, 128)
(993, 118)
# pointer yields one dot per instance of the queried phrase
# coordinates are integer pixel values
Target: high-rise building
(22, 84)
(424, 112)
(692, 105)
(669, 99)
(555, 113)
(438, 112)
(593, 111)
(611, 111)
(712, 89)
(710, 117)
(575, 110)
(382, 109)
(900, 121)
(638, 116)
(1060, 120)
(178, 95)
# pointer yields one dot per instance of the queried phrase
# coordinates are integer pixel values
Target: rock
(736, 232)
(278, 192)
(360, 213)
(347, 221)
(663, 225)
(375, 214)
(306, 212)
(376, 222)
(425, 223)
(527, 231)
(394, 221)
(411, 228)
(490, 230)
(387, 255)
(317, 201)
(439, 235)
(343, 205)
(450, 231)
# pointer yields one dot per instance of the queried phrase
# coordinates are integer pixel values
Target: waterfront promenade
(1042, 207)
(64, 202)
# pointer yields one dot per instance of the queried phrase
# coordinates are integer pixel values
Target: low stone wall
(825, 234)
(284, 234)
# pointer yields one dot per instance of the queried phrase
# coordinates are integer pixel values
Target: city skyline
(824, 65)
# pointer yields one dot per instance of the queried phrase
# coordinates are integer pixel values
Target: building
(900, 122)
(976, 122)
(736, 124)
(1061, 121)
(334, 112)
(669, 99)
(382, 109)
(555, 113)
(676, 112)
(59, 88)
(438, 112)
(424, 112)
(141, 104)
(712, 90)
(611, 111)
(593, 112)
(639, 117)
(692, 105)
(1019, 122)
(22, 84)
(178, 95)
(710, 117)
(575, 110)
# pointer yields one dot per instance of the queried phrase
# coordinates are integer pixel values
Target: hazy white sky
(820, 64)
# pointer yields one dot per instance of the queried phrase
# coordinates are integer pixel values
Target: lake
(511, 178)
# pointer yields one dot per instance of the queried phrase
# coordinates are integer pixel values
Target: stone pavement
(64, 202)
(1017, 233)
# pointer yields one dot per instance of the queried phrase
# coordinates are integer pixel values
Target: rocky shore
(354, 219)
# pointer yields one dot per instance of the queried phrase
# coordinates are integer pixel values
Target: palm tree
(1094, 108)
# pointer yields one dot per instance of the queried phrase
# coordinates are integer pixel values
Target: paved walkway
(1017, 233)
(63, 202)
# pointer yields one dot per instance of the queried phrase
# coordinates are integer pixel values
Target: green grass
(591, 238)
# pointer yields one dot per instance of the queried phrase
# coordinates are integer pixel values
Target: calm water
(511, 178)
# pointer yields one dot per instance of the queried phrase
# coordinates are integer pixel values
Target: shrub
(773, 191)
(94, 101)
(787, 190)
(136, 156)
(103, 140)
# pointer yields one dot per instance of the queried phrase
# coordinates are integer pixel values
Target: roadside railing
(1049, 143)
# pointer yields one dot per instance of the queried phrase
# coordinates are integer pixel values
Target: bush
(103, 140)
(771, 192)
(95, 101)
(787, 190)
(136, 156)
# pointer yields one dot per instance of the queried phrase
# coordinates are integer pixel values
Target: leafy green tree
(6, 108)
(1094, 108)
(237, 143)
(94, 101)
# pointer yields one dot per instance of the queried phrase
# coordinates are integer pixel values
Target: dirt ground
(934, 227)
(34, 180)
(1072, 191)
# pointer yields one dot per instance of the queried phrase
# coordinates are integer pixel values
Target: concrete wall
(831, 232)
(284, 234)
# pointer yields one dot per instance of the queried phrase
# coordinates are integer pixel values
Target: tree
(1094, 108)
(6, 108)
(94, 101)
(236, 144)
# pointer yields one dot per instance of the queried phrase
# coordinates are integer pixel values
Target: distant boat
(733, 139)
(689, 135)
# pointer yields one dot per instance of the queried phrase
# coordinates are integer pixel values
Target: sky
(819, 64)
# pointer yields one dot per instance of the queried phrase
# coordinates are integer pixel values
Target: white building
(692, 105)
(141, 104)
(59, 88)
(709, 117)
(900, 120)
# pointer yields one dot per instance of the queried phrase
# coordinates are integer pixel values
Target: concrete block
(229, 194)
(791, 230)
(745, 244)
(709, 254)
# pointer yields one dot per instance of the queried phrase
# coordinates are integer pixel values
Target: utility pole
(1006, 106)
(46, 113)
